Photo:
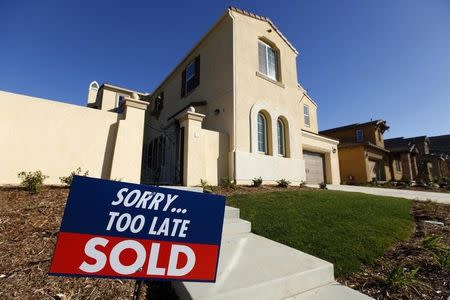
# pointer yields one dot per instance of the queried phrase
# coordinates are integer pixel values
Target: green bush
(257, 181)
(67, 181)
(227, 183)
(400, 277)
(438, 250)
(283, 183)
(323, 185)
(32, 181)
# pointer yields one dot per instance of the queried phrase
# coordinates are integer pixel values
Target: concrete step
(231, 212)
(333, 291)
(233, 226)
(253, 267)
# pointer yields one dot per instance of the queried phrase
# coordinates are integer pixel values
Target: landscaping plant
(302, 183)
(283, 183)
(323, 185)
(227, 183)
(32, 181)
(438, 250)
(67, 181)
(257, 181)
(400, 277)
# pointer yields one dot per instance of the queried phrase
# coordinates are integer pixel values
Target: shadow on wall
(109, 149)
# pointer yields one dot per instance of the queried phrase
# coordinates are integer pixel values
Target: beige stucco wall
(216, 88)
(57, 138)
(206, 155)
(283, 99)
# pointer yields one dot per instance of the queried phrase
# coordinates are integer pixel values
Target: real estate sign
(123, 230)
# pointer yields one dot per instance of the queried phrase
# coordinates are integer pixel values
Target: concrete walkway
(408, 194)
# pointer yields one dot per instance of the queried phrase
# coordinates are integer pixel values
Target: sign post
(121, 230)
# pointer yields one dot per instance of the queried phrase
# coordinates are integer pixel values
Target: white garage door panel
(314, 166)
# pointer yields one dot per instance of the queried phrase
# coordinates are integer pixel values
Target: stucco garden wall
(57, 138)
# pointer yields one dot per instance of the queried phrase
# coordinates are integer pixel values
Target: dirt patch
(29, 224)
(409, 270)
(247, 189)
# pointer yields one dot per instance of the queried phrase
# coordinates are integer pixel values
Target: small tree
(32, 181)
(67, 181)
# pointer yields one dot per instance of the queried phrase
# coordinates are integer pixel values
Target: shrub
(67, 181)
(443, 182)
(227, 183)
(323, 185)
(400, 277)
(438, 250)
(32, 181)
(302, 183)
(206, 186)
(283, 183)
(257, 181)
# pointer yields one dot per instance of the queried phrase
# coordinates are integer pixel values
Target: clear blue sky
(358, 59)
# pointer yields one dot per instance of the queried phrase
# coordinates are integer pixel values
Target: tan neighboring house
(231, 108)
(362, 155)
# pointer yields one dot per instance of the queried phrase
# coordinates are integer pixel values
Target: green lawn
(344, 228)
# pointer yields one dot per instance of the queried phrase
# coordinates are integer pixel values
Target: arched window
(268, 60)
(281, 137)
(262, 133)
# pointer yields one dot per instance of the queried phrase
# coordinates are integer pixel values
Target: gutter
(234, 96)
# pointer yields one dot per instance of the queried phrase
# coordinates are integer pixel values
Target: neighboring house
(421, 158)
(440, 148)
(362, 154)
(403, 159)
(233, 108)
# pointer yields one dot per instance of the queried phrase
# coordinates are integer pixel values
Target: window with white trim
(306, 115)
(281, 138)
(268, 60)
(359, 135)
(262, 133)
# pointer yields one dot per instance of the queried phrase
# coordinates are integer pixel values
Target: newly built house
(231, 108)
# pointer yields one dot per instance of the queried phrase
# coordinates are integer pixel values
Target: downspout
(234, 98)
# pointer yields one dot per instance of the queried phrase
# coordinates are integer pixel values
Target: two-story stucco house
(233, 108)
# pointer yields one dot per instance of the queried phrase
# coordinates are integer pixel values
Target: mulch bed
(430, 281)
(28, 225)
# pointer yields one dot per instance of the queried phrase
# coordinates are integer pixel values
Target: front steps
(253, 267)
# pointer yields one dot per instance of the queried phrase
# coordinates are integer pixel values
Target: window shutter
(262, 58)
(197, 71)
(183, 83)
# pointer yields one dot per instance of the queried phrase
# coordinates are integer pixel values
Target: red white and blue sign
(124, 230)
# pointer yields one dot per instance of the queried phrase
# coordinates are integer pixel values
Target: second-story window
(359, 135)
(268, 60)
(306, 115)
(190, 77)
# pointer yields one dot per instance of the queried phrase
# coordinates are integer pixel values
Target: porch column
(127, 157)
(194, 150)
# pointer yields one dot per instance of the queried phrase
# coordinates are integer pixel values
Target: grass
(346, 229)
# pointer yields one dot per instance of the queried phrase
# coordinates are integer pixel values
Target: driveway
(414, 195)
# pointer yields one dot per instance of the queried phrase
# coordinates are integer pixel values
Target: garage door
(314, 166)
